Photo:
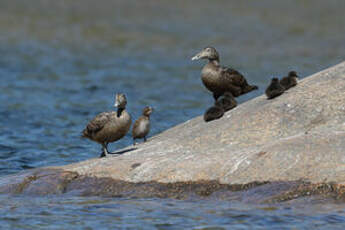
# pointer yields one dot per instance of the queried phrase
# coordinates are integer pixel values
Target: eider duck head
(147, 111)
(209, 53)
(120, 101)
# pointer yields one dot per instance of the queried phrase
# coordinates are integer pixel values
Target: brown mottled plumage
(275, 89)
(218, 79)
(141, 126)
(111, 126)
(290, 80)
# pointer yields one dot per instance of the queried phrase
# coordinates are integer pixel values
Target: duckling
(290, 80)
(141, 126)
(218, 79)
(227, 101)
(111, 126)
(213, 113)
(274, 89)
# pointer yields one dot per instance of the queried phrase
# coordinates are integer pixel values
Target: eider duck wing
(233, 76)
(98, 122)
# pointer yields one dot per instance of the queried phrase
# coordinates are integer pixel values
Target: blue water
(62, 62)
(108, 213)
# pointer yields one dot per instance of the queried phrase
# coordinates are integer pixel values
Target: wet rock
(298, 136)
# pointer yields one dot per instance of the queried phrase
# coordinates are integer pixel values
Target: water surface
(108, 213)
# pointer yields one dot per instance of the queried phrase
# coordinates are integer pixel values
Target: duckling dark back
(213, 113)
(275, 89)
(290, 80)
(227, 101)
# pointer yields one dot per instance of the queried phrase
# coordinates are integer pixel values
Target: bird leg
(104, 150)
(134, 141)
(145, 139)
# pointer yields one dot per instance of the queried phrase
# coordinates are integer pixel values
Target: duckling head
(147, 111)
(209, 53)
(293, 74)
(275, 80)
(120, 101)
(228, 95)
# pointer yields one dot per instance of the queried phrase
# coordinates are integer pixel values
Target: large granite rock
(299, 136)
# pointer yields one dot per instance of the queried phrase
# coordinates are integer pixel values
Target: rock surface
(298, 136)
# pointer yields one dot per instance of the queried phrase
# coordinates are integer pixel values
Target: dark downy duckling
(218, 79)
(274, 89)
(223, 104)
(141, 126)
(290, 80)
(111, 126)
(213, 113)
(227, 101)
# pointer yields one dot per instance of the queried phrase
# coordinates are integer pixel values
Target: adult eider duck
(290, 80)
(141, 126)
(218, 79)
(275, 89)
(111, 126)
(227, 101)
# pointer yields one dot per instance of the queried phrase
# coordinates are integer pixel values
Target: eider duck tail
(85, 134)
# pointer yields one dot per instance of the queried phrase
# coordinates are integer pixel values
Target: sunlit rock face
(296, 136)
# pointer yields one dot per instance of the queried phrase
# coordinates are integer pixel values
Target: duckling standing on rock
(227, 101)
(290, 80)
(218, 79)
(111, 126)
(274, 89)
(141, 126)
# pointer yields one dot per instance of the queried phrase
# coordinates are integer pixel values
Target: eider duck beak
(198, 56)
(195, 58)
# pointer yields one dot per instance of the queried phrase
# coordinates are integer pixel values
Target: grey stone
(299, 135)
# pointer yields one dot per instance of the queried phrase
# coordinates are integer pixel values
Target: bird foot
(102, 155)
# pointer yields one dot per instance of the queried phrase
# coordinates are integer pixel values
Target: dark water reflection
(62, 61)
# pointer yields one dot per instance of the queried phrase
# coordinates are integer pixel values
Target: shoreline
(294, 141)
